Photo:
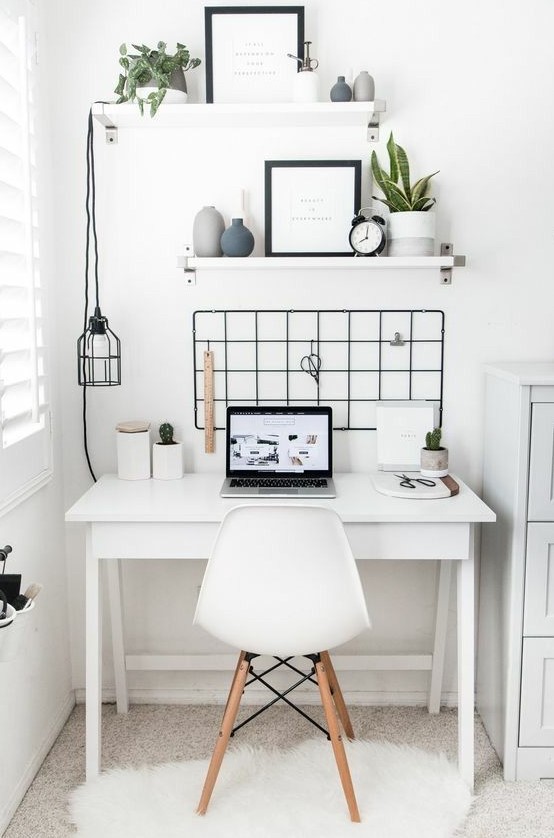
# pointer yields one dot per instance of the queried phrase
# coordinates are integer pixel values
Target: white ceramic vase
(411, 234)
(167, 461)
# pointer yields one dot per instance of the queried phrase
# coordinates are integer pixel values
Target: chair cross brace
(281, 696)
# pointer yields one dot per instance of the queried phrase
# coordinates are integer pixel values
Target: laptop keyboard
(279, 482)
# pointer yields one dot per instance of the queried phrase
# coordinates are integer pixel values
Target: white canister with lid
(133, 450)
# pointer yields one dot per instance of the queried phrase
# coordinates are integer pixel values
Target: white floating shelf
(364, 115)
(322, 262)
(444, 264)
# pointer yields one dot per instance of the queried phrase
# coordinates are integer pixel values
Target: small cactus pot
(167, 461)
(434, 462)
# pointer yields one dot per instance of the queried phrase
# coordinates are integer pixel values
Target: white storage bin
(13, 638)
(6, 627)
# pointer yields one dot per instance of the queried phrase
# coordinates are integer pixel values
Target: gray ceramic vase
(237, 240)
(364, 87)
(207, 229)
(341, 91)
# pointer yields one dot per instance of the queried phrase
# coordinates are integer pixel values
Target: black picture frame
(226, 17)
(316, 221)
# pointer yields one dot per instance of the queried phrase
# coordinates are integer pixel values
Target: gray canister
(207, 230)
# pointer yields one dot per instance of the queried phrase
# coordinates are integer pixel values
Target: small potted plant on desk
(434, 456)
(167, 455)
(152, 76)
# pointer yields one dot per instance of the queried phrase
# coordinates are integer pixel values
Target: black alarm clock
(367, 236)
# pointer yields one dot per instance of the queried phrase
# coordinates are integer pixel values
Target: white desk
(147, 519)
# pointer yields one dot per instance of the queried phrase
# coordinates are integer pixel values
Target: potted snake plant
(151, 76)
(434, 456)
(411, 224)
(167, 455)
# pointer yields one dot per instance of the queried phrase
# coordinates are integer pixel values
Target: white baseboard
(257, 697)
(29, 774)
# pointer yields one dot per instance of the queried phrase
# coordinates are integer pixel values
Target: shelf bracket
(447, 249)
(183, 263)
(373, 128)
(107, 124)
(111, 135)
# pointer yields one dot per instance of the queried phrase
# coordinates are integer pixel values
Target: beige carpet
(157, 734)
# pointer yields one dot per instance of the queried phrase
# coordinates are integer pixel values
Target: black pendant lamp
(98, 348)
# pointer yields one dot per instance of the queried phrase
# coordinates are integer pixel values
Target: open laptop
(279, 452)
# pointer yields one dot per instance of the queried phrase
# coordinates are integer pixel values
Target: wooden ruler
(209, 435)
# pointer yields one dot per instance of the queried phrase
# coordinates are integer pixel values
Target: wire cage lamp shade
(98, 347)
(99, 353)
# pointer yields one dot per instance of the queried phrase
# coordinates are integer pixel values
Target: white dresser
(515, 669)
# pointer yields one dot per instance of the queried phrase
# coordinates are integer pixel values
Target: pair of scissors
(311, 364)
(409, 482)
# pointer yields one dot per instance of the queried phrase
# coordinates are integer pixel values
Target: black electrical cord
(90, 209)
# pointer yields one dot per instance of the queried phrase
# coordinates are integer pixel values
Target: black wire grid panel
(359, 357)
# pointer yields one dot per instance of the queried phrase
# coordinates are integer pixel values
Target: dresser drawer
(541, 473)
(538, 615)
(536, 719)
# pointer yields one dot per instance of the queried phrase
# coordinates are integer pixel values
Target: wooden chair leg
(336, 741)
(338, 698)
(229, 717)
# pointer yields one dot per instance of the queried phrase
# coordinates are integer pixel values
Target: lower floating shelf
(443, 263)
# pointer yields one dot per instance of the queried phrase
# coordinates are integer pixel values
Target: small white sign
(401, 429)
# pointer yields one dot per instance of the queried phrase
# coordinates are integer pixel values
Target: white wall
(468, 90)
(37, 692)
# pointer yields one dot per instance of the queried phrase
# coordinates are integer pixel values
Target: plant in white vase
(152, 76)
(167, 455)
(434, 456)
(411, 225)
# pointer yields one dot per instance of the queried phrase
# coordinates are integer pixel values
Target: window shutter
(24, 431)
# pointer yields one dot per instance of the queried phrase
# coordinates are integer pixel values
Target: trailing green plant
(153, 68)
(166, 434)
(433, 439)
(400, 195)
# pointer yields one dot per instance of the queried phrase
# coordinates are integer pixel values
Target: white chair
(282, 581)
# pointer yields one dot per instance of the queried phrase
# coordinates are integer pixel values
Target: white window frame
(26, 453)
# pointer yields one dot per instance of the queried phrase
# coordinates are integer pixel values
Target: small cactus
(433, 439)
(166, 433)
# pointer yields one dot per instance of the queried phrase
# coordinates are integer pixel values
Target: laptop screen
(279, 440)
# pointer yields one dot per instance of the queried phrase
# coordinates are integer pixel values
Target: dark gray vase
(341, 91)
(237, 240)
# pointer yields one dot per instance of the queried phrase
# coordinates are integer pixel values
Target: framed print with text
(246, 52)
(309, 206)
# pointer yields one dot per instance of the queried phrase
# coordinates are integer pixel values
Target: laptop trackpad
(263, 491)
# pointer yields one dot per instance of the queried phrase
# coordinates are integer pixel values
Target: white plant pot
(167, 461)
(434, 462)
(411, 234)
(172, 97)
(175, 94)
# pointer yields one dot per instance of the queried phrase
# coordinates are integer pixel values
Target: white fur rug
(402, 792)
